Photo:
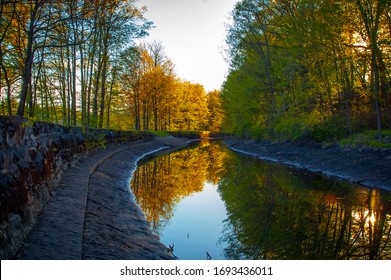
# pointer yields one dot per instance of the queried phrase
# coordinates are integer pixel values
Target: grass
(160, 133)
(368, 139)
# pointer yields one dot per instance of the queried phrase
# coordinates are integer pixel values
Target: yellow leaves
(216, 112)
(162, 101)
(160, 184)
(192, 111)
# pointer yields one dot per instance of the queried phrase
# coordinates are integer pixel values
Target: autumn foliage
(163, 183)
(78, 63)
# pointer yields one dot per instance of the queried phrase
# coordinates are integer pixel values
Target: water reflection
(270, 212)
(161, 184)
(275, 214)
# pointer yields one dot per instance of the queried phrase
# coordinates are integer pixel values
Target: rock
(32, 158)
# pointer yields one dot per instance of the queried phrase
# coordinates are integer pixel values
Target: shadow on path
(92, 213)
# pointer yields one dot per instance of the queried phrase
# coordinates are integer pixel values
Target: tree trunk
(82, 81)
(114, 73)
(155, 114)
(74, 85)
(96, 87)
(376, 91)
(8, 83)
(63, 87)
(370, 15)
(90, 74)
(103, 88)
(28, 63)
(69, 87)
(137, 110)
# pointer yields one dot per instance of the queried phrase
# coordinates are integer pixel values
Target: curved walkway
(93, 215)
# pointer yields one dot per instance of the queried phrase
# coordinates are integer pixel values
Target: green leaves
(298, 67)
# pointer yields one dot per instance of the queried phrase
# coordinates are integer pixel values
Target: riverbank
(33, 157)
(92, 213)
(365, 166)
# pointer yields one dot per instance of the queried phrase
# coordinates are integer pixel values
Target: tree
(7, 14)
(160, 82)
(41, 20)
(65, 56)
(371, 13)
(216, 113)
(192, 111)
(299, 69)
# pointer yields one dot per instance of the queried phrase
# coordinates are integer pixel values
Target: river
(209, 202)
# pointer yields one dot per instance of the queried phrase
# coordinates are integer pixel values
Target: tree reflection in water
(273, 212)
(161, 184)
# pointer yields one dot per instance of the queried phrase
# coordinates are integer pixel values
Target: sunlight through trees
(77, 63)
(308, 69)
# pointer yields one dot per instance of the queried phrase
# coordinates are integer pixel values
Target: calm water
(209, 200)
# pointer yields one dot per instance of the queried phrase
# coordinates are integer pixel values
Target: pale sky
(193, 34)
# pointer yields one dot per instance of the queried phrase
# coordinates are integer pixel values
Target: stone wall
(32, 159)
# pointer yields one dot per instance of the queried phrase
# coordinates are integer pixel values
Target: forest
(81, 63)
(298, 70)
(309, 70)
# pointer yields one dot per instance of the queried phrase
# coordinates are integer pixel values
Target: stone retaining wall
(32, 159)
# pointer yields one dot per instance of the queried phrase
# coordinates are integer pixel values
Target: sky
(193, 35)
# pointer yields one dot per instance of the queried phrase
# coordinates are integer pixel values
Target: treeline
(77, 63)
(308, 69)
(158, 100)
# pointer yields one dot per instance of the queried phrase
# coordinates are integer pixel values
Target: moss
(160, 133)
(368, 139)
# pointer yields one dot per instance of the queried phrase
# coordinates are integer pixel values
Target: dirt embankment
(365, 166)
